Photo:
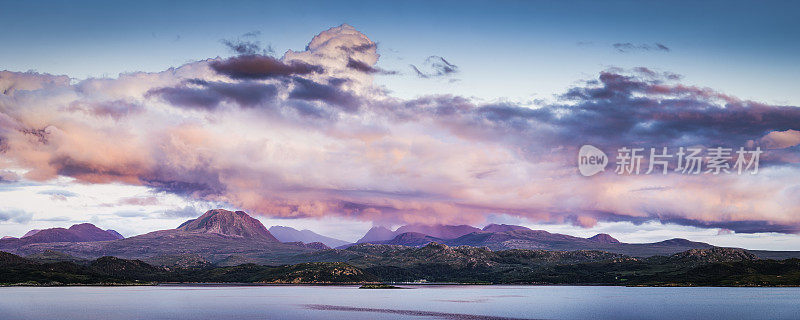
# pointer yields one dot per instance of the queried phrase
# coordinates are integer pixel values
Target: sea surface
(416, 302)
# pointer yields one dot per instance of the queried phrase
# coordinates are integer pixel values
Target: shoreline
(355, 284)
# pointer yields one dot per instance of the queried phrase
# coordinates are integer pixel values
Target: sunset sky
(336, 116)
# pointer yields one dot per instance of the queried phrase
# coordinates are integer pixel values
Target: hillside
(434, 263)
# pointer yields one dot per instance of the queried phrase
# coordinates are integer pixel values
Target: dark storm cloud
(747, 226)
(200, 94)
(741, 226)
(309, 90)
(630, 108)
(191, 186)
(616, 110)
(253, 66)
(363, 67)
(362, 48)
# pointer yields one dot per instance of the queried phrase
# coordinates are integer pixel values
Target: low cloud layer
(310, 135)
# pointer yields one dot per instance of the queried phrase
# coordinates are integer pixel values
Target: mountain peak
(412, 239)
(233, 223)
(503, 227)
(603, 238)
(89, 232)
(377, 233)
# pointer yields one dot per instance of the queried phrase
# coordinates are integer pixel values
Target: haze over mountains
(289, 234)
(223, 237)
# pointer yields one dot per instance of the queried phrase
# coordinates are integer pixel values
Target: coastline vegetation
(713, 267)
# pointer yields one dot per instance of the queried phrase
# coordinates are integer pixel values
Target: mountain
(289, 234)
(229, 223)
(377, 233)
(438, 231)
(88, 232)
(503, 228)
(412, 239)
(540, 239)
(603, 238)
(503, 237)
(30, 233)
(223, 237)
(7, 237)
(115, 234)
(84, 232)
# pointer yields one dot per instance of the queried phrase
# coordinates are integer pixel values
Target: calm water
(419, 302)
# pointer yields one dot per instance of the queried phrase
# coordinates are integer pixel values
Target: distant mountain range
(289, 234)
(215, 236)
(437, 231)
(504, 237)
(223, 238)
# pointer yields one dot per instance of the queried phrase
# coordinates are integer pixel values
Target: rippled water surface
(417, 302)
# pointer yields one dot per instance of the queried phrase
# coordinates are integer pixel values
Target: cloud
(15, 215)
(252, 66)
(723, 232)
(116, 109)
(630, 47)
(309, 135)
(781, 139)
(309, 90)
(131, 214)
(185, 212)
(136, 201)
(435, 66)
(8, 176)
(247, 46)
(200, 94)
(363, 67)
(56, 219)
(60, 195)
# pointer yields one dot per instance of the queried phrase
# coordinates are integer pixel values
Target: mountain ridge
(83, 232)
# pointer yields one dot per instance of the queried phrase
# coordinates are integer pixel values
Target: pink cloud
(327, 141)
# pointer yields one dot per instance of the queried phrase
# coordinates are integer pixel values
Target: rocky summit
(232, 223)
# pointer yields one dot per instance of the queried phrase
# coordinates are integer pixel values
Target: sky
(338, 116)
